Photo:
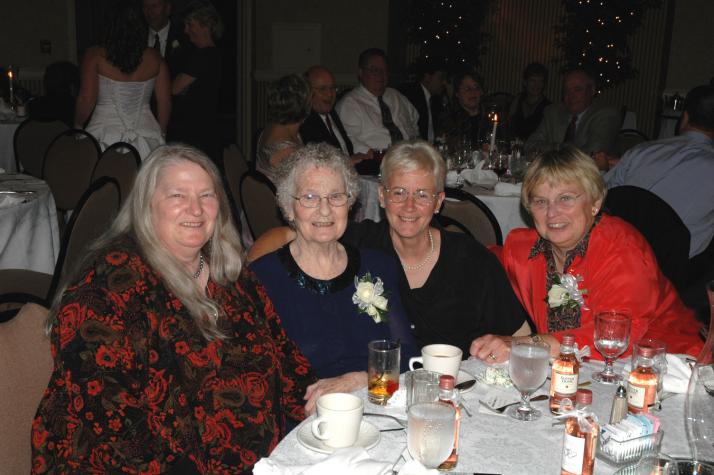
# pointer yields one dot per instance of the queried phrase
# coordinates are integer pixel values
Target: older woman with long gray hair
(313, 280)
(168, 356)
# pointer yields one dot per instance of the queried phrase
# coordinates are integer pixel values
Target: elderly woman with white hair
(168, 356)
(313, 279)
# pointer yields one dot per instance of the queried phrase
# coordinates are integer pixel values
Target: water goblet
(528, 369)
(430, 432)
(612, 336)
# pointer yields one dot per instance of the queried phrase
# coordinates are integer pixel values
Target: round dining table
(491, 443)
(8, 126)
(29, 230)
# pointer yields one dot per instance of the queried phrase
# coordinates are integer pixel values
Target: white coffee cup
(339, 416)
(444, 359)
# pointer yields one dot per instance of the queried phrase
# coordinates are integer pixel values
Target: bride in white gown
(118, 79)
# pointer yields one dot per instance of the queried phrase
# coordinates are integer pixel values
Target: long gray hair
(223, 250)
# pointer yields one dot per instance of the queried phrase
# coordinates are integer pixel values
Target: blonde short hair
(412, 155)
(566, 164)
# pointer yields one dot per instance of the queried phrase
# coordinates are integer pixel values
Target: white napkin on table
(479, 177)
(348, 461)
(507, 189)
(452, 178)
(677, 378)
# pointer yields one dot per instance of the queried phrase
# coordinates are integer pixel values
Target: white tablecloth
(29, 232)
(7, 149)
(506, 209)
(498, 444)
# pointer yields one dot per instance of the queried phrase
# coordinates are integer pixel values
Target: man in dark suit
(164, 35)
(323, 124)
(425, 95)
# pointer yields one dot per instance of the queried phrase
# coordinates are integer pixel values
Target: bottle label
(573, 454)
(636, 395)
(565, 384)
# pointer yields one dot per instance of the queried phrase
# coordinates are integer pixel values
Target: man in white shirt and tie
(376, 116)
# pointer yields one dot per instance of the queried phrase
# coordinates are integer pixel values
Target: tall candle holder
(11, 83)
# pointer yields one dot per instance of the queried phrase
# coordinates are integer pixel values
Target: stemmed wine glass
(612, 336)
(528, 368)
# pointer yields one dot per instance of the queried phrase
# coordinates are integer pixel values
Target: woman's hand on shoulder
(346, 383)
(491, 348)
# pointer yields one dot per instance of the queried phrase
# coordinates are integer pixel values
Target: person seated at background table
(579, 120)
(196, 83)
(61, 84)
(453, 289)
(167, 355)
(611, 261)
(312, 279)
(426, 95)
(526, 111)
(465, 120)
(117, 80)
(288, 107)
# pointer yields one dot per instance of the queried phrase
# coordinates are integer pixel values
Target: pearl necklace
(200, 266)
(426, 259)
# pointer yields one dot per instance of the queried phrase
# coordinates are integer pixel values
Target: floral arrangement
(565, 292)
(370, 298)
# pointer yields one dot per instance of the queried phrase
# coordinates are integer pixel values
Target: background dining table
(29, 230)
(496, 444)
(8, 126)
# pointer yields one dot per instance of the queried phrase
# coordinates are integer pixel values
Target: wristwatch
(535, 338)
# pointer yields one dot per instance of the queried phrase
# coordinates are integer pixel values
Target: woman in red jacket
(607, 260)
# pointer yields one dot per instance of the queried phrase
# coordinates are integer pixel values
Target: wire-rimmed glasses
(400, 195)
(313, 200)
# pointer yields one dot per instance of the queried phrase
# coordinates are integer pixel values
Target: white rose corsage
(369, 297)
(175, 44)
(565, 292)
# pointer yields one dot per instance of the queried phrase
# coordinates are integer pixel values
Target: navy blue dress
(320, 317)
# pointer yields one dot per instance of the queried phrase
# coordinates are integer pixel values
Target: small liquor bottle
(564, 376)
(580, 440)
(642, 382)
(449, 395)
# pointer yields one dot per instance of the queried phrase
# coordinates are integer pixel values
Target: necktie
(157, 43)
(570, 133)
(329, 127)
(388, 122)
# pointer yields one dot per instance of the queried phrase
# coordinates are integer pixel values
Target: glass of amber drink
(382, 370)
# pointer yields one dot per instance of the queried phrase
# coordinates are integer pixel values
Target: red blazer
(619, 271)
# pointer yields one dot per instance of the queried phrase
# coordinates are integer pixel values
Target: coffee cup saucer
(465, 376)
(368, 437)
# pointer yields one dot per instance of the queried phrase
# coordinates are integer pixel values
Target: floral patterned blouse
(137, 389)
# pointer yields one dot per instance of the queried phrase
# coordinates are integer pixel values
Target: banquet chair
(25, 369)
(659, 224)
(626, 139)
(257, 199)
(20, 286)
(464, 212)
(93, 215)
(68, 165)
(30, 143)
(235, 167)
(120, 161)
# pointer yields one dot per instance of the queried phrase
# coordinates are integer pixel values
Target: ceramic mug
(339, 416)
(444, 359)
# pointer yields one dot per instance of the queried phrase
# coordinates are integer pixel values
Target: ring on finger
(492, 357)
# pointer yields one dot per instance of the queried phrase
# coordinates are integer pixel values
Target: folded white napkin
(677, 378)
(452, 179)
(507, 189)
(479, 177)
(348, 461)
(2, 170)
(8, 200)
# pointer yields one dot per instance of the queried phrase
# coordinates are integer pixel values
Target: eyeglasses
(376, 71)
(400, 195)
(566, 201)
(312, 200)
(325, 89)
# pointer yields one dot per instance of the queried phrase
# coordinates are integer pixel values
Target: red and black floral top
(137, 389)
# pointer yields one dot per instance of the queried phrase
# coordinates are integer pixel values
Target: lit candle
(493, 132)
(12, 94)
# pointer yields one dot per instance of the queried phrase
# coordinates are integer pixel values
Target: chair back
(464, 212)
(25, 369)
(120, 161)
(658, 223)
(93, 215)
(68, 166)
(30, 142)
(257, 198)
(20, 286)
(628, 138)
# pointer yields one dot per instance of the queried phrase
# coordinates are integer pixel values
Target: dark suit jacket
(415, 94)
(314, 130)
(177, 45)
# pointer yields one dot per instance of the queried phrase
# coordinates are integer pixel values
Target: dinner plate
(464, 376)
(368, 437)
